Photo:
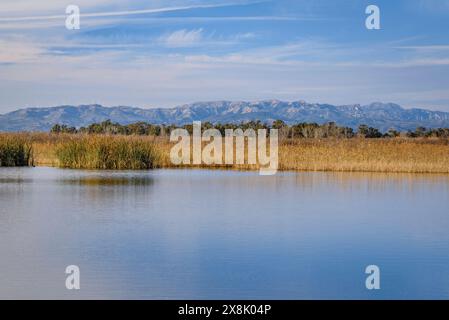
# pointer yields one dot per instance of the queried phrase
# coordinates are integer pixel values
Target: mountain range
(382, 116)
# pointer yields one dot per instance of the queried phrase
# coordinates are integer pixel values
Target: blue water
(198, 234)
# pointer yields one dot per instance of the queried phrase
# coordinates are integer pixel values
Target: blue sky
(166, 53)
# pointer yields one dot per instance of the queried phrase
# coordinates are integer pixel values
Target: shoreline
(224, 169)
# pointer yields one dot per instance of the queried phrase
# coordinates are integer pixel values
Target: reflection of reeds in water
(110, 185)
(15, 180)
(103, 152)
(15, 150)
(109, 181)
(373, 181)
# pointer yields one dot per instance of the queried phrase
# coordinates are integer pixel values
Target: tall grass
(400, 155)
(105, 152)
(15, 150)
(421, 155)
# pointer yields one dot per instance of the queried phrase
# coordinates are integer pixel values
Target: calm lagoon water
(198, 234)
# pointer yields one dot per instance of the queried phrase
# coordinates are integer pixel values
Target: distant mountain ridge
(382, 116)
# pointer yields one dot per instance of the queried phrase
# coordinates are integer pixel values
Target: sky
(167, 53)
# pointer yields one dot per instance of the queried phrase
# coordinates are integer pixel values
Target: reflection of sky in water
(222, 234)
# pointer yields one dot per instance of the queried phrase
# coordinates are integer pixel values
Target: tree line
(299, 130)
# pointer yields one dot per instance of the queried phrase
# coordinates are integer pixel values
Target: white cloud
(426, 48)
(171, 79)
(86, 8)
(183, 38)
(19, 51)
(245, 36)
(32, 7)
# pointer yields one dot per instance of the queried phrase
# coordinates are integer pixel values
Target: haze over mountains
(379, 115)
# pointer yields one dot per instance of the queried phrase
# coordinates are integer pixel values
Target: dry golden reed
(419, 155)
(368, 155)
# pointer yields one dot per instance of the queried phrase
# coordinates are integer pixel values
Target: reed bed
(399, 155)
(15, 150)
(106, 152)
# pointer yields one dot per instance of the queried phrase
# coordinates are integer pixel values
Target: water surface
(198, 234)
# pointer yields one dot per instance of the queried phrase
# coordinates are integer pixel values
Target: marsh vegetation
(103, 152)
(15, 150)
(303, 147)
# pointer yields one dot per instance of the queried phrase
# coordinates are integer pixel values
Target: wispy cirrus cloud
(426, 48)
(41, 7)
(182, 38)
(117, 13)
(18, 50)
(186, 38)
